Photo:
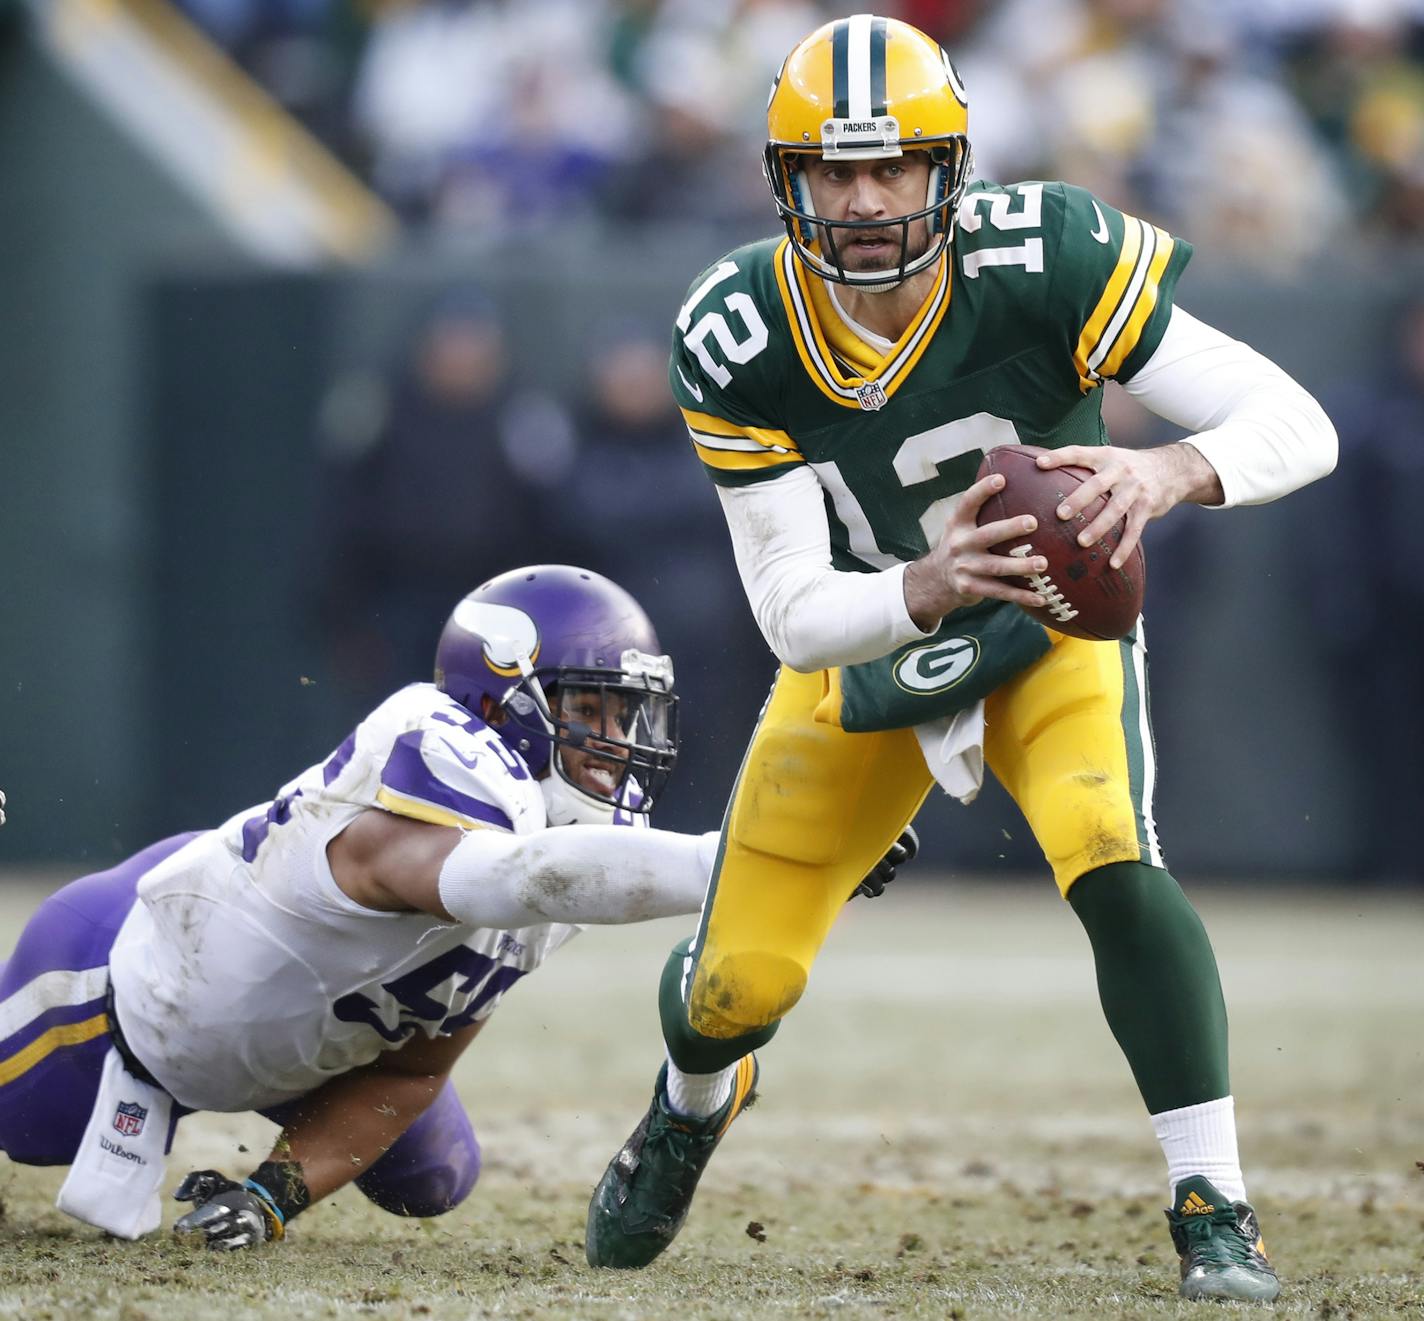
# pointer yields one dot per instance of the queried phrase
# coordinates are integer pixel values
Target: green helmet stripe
(877, 67)
(840, 68)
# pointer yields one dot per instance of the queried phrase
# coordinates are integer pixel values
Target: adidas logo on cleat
(1219, 1247)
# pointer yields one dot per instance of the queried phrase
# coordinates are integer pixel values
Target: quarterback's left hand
(1141, 485)
(229, 1215)
(902, 850)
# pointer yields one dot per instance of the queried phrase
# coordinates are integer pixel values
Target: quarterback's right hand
(960, 571)
(228, 1215)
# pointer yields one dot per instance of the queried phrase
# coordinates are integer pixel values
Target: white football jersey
(244, 976)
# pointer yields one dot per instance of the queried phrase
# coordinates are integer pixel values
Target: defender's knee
(734, 994)
(428, 1189)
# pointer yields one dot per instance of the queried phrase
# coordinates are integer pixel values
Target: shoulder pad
(452, 769)
(1004, 226)
(728, 339)
(1114, 277)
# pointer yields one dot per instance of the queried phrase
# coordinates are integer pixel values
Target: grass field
(946, 1129)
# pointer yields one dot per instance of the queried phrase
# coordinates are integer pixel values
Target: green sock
(1158, 983)
(689, 1049)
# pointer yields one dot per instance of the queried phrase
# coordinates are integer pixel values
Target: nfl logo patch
(871, 396)
(128, 1119)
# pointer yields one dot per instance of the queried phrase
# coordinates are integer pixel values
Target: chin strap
(566, 806)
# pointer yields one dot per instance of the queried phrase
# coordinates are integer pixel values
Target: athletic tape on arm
(593, 874)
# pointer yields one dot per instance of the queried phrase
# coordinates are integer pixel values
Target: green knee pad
(689, 1049)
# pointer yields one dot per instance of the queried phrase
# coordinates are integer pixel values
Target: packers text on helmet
(867, 88)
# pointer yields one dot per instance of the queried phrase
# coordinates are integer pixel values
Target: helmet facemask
(566, 669)
(619, 727)
(818, 241)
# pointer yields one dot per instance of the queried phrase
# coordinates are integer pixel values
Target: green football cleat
(1219, 1243)
(644, 1195)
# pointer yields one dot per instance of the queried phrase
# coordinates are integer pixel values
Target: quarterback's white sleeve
(595, 874)
(811, 615)
(1263, 433)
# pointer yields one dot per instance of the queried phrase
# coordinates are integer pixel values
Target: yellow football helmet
(867, 88)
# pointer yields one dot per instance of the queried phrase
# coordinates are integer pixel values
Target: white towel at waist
(954, 751)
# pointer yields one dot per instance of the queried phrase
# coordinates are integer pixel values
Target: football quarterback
(841, 385)
(325, 958)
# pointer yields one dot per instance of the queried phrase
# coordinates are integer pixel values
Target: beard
(855, 254)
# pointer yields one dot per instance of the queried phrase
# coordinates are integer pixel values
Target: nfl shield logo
(871, 396)
(128, 1119)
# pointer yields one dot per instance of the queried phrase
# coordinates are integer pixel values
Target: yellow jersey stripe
(919, 337)
(816, 353)
(711, 423)
(825, 353)
(742, 460)
(44, 1045)
(1112, 295)
(419, 811)
(732, 444)
(1129, 298)
(863, 361)
(811, 347)
(718, 433)
(1142, 309)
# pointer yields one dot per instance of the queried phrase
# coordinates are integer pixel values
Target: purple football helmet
(530, 637)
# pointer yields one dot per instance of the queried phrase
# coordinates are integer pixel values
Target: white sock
(699, 1095)
(1201, 1140)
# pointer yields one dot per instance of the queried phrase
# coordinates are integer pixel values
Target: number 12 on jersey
(916, 462)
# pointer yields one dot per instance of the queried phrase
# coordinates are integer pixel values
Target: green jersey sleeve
(1113, 278)
(722, 375)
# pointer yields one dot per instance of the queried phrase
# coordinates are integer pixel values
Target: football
(1087, 598)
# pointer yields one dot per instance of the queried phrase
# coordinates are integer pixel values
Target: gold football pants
(815, 808)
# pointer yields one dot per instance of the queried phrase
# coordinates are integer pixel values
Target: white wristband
(594, 874)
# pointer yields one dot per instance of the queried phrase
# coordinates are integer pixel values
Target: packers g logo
(936, 667)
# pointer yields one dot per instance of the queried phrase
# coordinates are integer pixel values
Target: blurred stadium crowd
(1265, 127)
(1264, 130)
(600, 476)
(491, 388)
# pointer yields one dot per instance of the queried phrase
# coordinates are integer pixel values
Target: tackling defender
(324, 959)
(841, 386)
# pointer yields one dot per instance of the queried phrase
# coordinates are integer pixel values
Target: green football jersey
(1045, 293)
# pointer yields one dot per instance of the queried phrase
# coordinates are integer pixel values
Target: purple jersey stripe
(339, 759)
(255, 828)
(407, 773)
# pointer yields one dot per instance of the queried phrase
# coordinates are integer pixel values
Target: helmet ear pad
(939, 186)
(951, 167)
(798, 193)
